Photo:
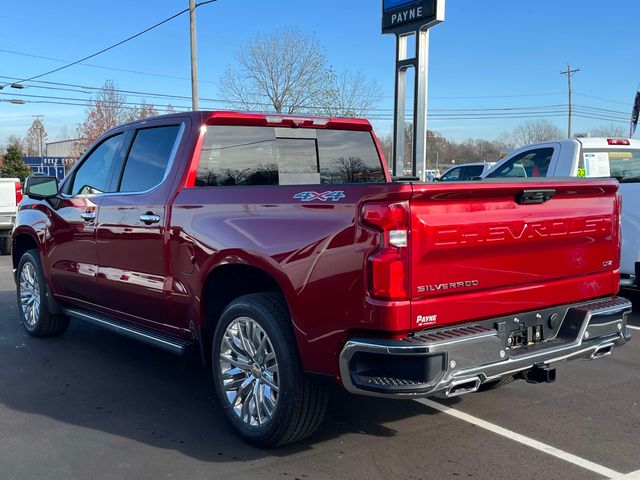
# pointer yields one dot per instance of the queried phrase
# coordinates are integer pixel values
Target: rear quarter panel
(315, 251)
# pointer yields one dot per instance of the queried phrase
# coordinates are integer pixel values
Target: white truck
(10, 196)
(589, 158)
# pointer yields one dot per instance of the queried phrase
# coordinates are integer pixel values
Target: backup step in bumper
(453, 361)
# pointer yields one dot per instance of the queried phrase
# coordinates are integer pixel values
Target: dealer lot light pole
(194, 55)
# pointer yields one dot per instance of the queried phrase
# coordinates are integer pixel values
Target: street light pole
(194, 55)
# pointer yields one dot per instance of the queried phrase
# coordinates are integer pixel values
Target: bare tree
(108, 109)
(36, 136)
(350, 94)
(63, 134)
(532, 131)
(610, 131)
(144, 110)
(286, 69)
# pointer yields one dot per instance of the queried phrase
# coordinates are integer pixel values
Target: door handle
(149, 218)
(88, 216)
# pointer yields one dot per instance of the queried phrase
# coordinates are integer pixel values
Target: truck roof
(229, 117)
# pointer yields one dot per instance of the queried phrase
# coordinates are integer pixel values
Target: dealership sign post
(411, 19)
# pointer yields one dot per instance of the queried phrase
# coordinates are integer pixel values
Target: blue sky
(491, 54)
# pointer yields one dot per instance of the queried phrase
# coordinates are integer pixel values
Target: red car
(279, 248)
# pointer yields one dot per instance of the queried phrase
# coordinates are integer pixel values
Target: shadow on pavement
(97, 380)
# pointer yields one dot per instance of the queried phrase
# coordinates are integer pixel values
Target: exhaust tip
(602, 351)
(462, 387)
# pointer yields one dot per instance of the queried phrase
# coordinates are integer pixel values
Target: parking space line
(630, 476)
(529, 442)
(632, 327)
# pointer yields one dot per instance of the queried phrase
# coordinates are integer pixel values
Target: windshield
(623, 164)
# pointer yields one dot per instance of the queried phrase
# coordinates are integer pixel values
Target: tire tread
(309, 400)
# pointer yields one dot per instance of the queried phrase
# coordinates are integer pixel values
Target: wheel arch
(23, 240)
(235, 275)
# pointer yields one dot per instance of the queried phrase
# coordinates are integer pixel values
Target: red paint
(500, 257)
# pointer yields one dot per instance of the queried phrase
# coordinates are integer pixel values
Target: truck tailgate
(484, 241)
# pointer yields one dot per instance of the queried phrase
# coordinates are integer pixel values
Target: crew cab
(589, 158)
(278, 248)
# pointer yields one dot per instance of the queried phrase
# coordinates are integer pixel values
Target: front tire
(258, 375)
(32, 302)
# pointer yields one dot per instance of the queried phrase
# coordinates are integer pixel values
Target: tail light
(18, 192)
(618, 141)
(388, 267)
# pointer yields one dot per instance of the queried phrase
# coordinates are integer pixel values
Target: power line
(518, 95)
(83, 89)
(93, 65)
(602, 98)
(111, 47)
(434, 117)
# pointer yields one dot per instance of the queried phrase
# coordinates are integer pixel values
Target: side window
(532, 163)
(148, 158)
(94, 175)
(348, 157)
(452, 175)
(473, 171)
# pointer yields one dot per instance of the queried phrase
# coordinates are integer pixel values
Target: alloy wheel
(30, 294)
(249, 372)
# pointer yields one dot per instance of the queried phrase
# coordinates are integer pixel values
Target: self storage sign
(406, 15)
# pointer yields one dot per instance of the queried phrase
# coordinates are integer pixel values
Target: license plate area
(525, 336)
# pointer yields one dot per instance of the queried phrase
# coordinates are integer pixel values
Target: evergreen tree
(12, 164)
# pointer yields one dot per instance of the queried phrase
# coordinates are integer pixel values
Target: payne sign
(401, 16)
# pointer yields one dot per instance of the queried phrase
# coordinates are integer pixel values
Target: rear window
(233, 155)
(623, 164)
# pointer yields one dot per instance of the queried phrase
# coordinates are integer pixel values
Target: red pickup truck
(280, 249)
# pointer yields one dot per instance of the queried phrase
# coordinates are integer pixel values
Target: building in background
(62, 148)
(57, 161)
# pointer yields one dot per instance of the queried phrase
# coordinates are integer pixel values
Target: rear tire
(32, 301)
(258, 374)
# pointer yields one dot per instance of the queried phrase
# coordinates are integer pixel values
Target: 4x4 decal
(334, 196)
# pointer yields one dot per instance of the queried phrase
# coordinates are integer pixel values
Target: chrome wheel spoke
(249, 371)
(267, 379)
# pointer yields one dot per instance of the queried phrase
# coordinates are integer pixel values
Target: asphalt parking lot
(91, 404)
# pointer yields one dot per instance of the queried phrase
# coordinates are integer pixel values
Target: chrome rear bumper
(458, 360)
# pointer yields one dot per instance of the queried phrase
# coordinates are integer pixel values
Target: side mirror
(41, 187)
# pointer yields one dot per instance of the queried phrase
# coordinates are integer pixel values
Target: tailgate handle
(530, 197)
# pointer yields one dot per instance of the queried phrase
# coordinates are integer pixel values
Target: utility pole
(40, 128)
(570, 73)
(194, 55)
